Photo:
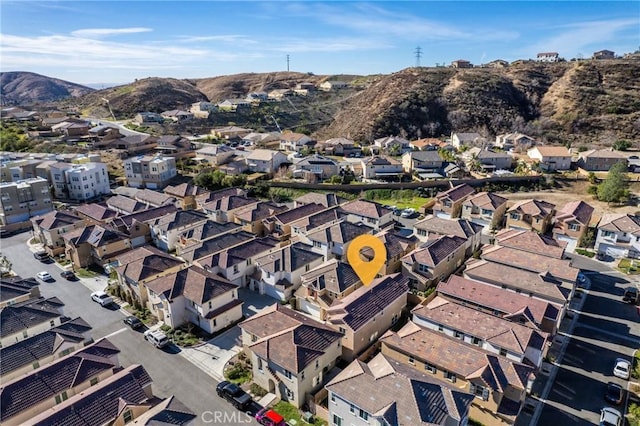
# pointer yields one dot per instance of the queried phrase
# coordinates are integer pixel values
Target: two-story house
(489, 332)
(516, 141)
(434, 261)
(327, 199)
(339, 146)
(378, 167)
(95, 244)
(600, 160)
(531, 214)
(50, 228)
(449, 203)
(223, 210)
(251, 216)
(458, 140)
(619, 236)
(322, 167)
(433, 227)
(16, 289)
(372, 214)
(216, 155)
(396, 245)
(153, 172)
(486, 209)
(166, 230)
(394, 145)
(332, 240)
(422, 162)
(531, 242)
(194, 295)
(572, 222)
(279, 225)
(280, 271)
(265, 161)
(29, 318)
(494, 160)
(551, 158)
(290, 353)
(499, 384)
(368, 313)
(185, 194)
(295, 142)
(395, 395)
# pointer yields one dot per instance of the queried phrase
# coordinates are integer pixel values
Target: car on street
(268, 417)
(157, 338)
(102, 298)
(43, 256)
(69, 275)
(631, 295)
(409, 212)
(133, 322)
(614, 394)
(234, 394)
(622, 368)
(610, 417)
(582, 278)
(44, 276)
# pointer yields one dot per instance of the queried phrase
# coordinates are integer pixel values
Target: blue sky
(118, 41)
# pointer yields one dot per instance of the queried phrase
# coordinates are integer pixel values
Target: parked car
(269, 417)
(234, 394)
(133, 322)
(610, 417)
(622, 368)
(614, 393)
(69, 275)
(102, 298)
(631, 295)
(157, 338)
(582, 278)
(44, 276)
(43, 256)
(408, 213)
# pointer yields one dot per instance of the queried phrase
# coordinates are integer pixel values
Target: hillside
(24, 88)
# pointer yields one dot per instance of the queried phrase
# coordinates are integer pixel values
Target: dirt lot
(573, 191)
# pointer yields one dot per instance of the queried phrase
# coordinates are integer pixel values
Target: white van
(157, 338)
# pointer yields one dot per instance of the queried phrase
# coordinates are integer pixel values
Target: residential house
(422, 162)
(531, 214)
(193, 242)
(548, 57)
(50, 228)
(490, 161)
(453, 171)
(499, 384)
(166, 230)
(177, 115)
(185, 194)
(551, 158)
(395, 395)
(202, 109)
(394, 145)
(95, 245)
(136, 225)
(265, 161)
(263, 140)
(619, 236)
(432, 227)
(175, 146)
(280, 94)
(138, 266)
(279, 225)
(56, 382)
(396, 245)
(461, 63)
(230, 132)
(331, 241)
(378, 167)
(489, 332)
(321, 167)
(79, 181)
(16, 289)
(301, 227)
(372, 214)
(327, 199)
(232, 105)
(323, 285)
(295, 142)
(458, 140)
(22, 200)
(216, 155)
(148, 117)
(332, 85)
(223, 210)
(130, 145)
(41, 349)
(279, 272)
(368, 313)
(257, 97)
(71, 129)
(604, 54)
(96, 213)
(517, 307)
(194, 295)
(572, 222)
(449, 203)
(531, 242)
(290, 353)
(600, 160)
(154, 198)
(237, 263)
(207, 196)
(22, 320)
(153, 172)
(514, 141)
(124, 205)
(486, 209)
(427, 144)
(251, 217)
(434, 261)
(339, 146)
(498, 63)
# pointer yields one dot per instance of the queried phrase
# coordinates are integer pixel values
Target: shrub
(165, 328)
(257, 390)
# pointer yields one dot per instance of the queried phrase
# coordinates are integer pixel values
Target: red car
(269, 417)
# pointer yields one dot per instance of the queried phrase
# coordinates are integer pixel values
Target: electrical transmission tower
(418, 53)
(287, 63)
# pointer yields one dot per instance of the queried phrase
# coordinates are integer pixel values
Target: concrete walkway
(212, 356)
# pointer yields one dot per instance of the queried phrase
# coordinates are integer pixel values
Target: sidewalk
(212, 356)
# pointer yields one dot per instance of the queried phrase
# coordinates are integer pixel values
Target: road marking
(116, 332)
(570, 397)
(565, 387)
(635, 340)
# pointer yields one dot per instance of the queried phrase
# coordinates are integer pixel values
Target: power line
(418, 53)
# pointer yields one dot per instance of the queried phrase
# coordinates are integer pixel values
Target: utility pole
(418, 53)
(287, 63)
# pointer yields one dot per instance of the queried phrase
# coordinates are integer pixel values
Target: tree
(615, 188)
(621, 145)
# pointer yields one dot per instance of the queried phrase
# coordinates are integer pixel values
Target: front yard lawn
(413, 202)
(289, 412)
(85, 273)
(629, 266)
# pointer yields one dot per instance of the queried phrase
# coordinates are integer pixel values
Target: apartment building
(79, 181)
(147, 171)
(24, 199)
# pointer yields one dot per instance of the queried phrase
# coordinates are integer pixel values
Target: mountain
(23, 88)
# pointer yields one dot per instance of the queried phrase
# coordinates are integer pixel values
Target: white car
(102, 298)
(622, 368)
(407, 212)
(610, 417)
(44, 276)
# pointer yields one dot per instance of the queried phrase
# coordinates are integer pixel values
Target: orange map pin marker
(366, 271)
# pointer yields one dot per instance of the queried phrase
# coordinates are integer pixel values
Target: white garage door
(571, 243)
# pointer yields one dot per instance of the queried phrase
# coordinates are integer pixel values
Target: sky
(114, 42)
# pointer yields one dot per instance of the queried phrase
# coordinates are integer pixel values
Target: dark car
(614, 394)
(69, 275)
(234, 394)
(133, 322)
(43, 256)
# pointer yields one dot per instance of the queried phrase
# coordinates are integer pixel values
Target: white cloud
(225, 38)
(105, 32)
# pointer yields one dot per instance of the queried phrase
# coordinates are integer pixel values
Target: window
(475, 341)
(317, 244)
(430, 368)
(288, 374)
(35, 365)
(423, 268)
(333, 398)
(93, 381)
(422, 232)
(52, 323)
(254, 338)
(458, 335)
(337, 420)
(215, 322)
(503, 352)
(342, 330)
(440, 327)
(62, 397)
(290, 394)
(394, 319)
(486, 212)
(608, 233)
(127, 416)
(373, 337)
(514, 216)
(301, 375)
(363, 415)
(65, 352)
(25, 334)
(574, 227)
(352, 409)
(479, 391)
(259, 364)
(450, 376)
(235, 269)
(412, 360)
(317, 364)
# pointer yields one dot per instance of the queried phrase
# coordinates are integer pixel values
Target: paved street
(172, 373)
